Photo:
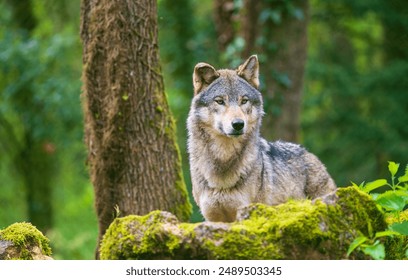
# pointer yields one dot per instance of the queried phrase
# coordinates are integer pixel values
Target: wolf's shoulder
(282, 150)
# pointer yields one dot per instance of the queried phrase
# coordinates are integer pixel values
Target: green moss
(321, 229)
(361, 210)
(274, 231)
(397, 246)
(159, 109)
(25, 236)
(142, 237)
(125, 96)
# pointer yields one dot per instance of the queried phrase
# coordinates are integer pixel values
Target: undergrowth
(392, 199)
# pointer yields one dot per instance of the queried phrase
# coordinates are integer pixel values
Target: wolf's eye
(244, 100)
(220, 101)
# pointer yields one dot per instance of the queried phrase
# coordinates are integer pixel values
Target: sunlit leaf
(376, 251)
(386, 233)
(401, 228)
(374, 195)
(375, 185)
(391, 201)
(357, 242)
(393, 167)
(403, 194)
(360, 187)
(403, 178)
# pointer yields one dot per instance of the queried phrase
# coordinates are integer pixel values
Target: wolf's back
(293, 171)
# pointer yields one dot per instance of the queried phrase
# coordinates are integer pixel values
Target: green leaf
(360, 187)
(356, 243)
(386, 233)
(391, 201)
(125, 96)
(370, 186)
(393, 168)
(376, 251)
(403, 194)
(401, 228)
(403, 178)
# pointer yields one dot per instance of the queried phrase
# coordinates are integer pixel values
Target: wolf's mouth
(235, 134)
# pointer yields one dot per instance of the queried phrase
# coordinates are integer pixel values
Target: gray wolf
(231, 165)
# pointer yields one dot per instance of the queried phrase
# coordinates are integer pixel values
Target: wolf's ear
(204, 75)
(249, 71)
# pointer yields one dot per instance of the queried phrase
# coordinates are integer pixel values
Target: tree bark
(133, 157)
(281, 41)
(224, 23)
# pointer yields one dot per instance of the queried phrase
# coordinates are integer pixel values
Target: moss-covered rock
(397, 246)
(320, 229)
(23, 241)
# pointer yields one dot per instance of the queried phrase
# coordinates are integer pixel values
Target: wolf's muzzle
(238, 125)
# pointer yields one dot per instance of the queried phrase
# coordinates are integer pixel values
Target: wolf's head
(227, 102)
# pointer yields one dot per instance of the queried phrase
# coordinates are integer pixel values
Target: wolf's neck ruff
(225, 161)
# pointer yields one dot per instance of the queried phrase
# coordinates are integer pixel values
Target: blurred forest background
(354, 105)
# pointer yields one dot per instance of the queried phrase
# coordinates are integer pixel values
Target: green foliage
(355, 96)
(395, 197)
(392, 201)
(31, 91)
(185, 33)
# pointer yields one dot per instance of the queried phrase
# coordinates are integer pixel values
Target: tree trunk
(133, 156)
(277, 31)
(224, 22)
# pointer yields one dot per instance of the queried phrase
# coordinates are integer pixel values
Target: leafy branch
(391, 201)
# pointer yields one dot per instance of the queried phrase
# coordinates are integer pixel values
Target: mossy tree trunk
(277, 31)
(133, 156)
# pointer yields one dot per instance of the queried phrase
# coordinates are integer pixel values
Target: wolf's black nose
(238, 124)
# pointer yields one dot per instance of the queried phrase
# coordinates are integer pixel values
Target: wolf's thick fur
(231, 165)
